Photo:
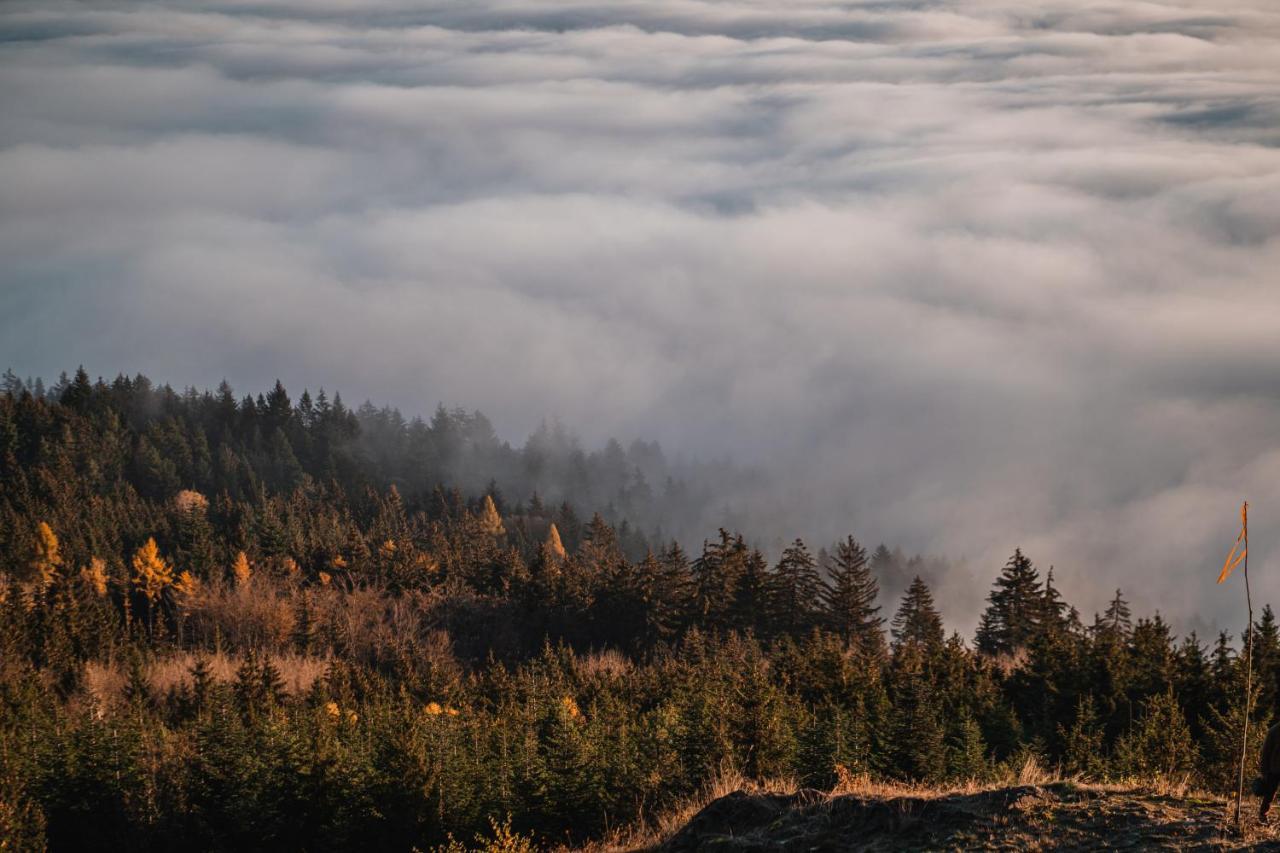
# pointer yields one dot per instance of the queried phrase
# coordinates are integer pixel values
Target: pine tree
(1083, 742)
(850, 602)
(1016, 608)
(1054, 612)
(1116, 619)
(716, 574)
(796, 591)
(919, 737)
(917, 623)
(1266, 657)
(1160, 743)
(752, 608)
(966, 750)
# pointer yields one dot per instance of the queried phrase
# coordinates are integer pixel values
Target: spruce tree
(1116, 619)
(1016, 608)
(796, 590)
(716, 574)
(850, 601)
(917, 623)
(753, 608)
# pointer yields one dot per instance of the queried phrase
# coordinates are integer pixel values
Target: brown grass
(651, 830)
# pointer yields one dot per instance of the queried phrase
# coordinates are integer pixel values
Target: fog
(960, 275)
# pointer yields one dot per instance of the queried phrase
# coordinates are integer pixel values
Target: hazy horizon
(959, 276)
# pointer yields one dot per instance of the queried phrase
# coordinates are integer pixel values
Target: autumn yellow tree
(240, 569)
(46, 558)
(94, 576)
(490, 521)
(187, 585)
(151, 574)
(554, 546)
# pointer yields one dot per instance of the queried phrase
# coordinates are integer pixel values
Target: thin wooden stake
(1248, 664)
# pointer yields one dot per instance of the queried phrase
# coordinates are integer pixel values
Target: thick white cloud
(962, 274)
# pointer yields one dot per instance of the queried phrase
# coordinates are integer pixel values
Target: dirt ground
(1058, 816)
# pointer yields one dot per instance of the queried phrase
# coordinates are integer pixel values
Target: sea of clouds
(963, 275)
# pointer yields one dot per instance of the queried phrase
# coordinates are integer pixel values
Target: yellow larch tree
(46, 558)
(490, 521)
(187, 585)
(240, 569)
(151, 573)
(94, 576)
(554, 546)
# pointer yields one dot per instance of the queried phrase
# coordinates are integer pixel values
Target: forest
(257, 623)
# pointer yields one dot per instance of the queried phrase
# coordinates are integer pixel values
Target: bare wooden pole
(1248, 663)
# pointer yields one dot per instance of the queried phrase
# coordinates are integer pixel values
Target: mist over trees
(236, 623)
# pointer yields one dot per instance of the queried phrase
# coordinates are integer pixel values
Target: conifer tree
(1055, 613)
(919, 736)
(46, 557)
(1159, 744)
(716, 574)
(555, 548)
(674, 588)
(1116, 619)
(241, 571)
(917, 623)
(1083, 741)
(796, 591)
(490, 521)
(1266, 656)
(850, 601)
(94, 576)
(753, 603)
(152, 575)
(1016, 608)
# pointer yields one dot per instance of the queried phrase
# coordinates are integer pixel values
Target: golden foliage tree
(240, 569)
(190, 502)
(554, 546)
(151, 573)
(490, 521)
(46, 558)
(94, 576)
(187, 585)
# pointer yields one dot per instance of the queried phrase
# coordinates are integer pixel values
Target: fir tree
(1116, 619)
(752, 609)
(917, 623)
(796, 590)
(850, 601)
(1016, 608)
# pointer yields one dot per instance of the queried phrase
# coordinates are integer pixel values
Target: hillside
(227, 626)
(1057, 816)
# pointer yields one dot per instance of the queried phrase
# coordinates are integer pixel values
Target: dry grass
(104, 683)
(651, 830)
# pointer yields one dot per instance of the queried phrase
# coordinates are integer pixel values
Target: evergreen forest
(274, 623)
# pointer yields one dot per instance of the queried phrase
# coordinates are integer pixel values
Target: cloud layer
(964, 274)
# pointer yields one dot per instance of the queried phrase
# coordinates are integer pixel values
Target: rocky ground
(1058, 816)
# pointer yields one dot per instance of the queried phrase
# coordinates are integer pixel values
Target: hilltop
(1056, 816)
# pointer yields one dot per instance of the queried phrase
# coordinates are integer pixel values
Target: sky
(962, 275)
